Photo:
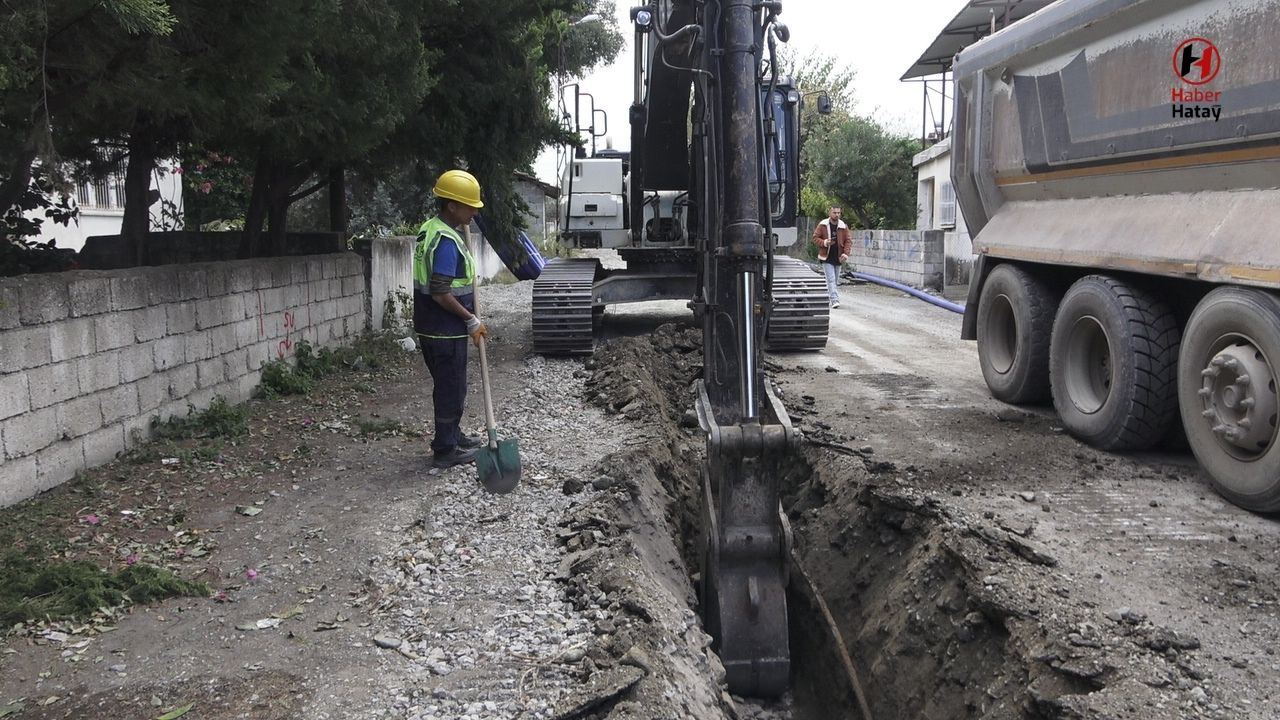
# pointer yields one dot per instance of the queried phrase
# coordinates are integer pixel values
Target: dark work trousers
(447, 363)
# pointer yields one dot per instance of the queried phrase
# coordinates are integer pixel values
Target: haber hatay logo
(1197, 61)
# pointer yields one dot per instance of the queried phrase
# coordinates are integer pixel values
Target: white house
(101, 206)
(936, 197)
(937, 209)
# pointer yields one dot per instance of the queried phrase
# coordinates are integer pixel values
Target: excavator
(698, 209)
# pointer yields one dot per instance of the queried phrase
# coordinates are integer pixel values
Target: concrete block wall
(911, 257)
(390, 273)
(960, 257)
(541, 210)
(87, 358)
(390, 269)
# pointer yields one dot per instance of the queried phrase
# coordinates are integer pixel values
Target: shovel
(498, 462)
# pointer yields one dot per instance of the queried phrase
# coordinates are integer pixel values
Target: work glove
(476, 329)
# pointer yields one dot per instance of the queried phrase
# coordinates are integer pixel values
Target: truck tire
(1113, 364)
(1015, 317)
(1228, 373)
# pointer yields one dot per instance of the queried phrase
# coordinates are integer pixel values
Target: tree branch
(309, 191)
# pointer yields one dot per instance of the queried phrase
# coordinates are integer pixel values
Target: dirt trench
(942, 615)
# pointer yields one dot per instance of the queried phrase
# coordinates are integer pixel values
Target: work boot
(456, 456)
(467, 442)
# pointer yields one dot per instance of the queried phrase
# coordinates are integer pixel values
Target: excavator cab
(782, 152)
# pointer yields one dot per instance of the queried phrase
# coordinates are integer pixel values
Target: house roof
(971, 24)
(548, 189)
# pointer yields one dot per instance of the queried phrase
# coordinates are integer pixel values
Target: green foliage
(215, 189)
(395, 91)
(370, 352)
(850, 160)
(141, 16)
(281, 378)
(37, 589)
(819, 73)
(577, 49)
(869, 170)
(815, 203)
(221, 419)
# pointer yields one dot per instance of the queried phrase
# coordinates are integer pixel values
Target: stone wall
(911, 257)
(87, 358)
(111, 252)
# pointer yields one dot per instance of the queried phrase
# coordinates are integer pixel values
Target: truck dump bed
(1138, 135)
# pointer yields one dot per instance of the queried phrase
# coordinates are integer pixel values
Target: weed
(369, 352)
(397, 309)
(378, 426)
(144, 454)
(221, 419)
(208, 451)
(33, 590)
(281, 378)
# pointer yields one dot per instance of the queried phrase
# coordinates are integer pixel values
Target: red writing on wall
(286, 345)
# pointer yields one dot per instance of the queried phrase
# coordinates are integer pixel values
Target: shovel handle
(489, 423)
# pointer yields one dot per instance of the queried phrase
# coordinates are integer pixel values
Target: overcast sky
(878, 40)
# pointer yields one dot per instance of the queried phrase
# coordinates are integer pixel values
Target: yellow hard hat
(459, 185)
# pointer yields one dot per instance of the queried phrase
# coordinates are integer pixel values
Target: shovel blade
(499, 468)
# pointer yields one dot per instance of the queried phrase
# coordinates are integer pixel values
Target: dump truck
(1118, 162)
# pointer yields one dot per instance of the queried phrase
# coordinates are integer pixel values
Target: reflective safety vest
(430, 319)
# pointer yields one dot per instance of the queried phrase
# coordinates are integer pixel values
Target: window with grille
(105, 192)
(947, 206)
(101, 193)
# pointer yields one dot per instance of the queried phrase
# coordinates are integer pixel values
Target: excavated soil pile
(621, 548)
(649, 381)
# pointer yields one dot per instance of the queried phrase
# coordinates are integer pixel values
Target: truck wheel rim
(1088, 365)
(1238, 394)
(1002, 328)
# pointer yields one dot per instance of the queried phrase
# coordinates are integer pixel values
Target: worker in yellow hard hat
(444, 317)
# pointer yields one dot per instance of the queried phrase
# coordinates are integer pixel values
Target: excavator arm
(704, 121)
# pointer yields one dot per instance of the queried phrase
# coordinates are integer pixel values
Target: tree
(344, 95)
(488, 110)
(59, 62)
(850, 160)
(869, 170)
(574, 49)
(819, 73)
(294, 92)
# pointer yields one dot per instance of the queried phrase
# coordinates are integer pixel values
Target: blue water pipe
(932, 299)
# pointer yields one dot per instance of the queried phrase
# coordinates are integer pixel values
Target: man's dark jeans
(447, 363)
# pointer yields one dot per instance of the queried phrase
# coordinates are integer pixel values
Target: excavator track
(801, 308)
(563, 307)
